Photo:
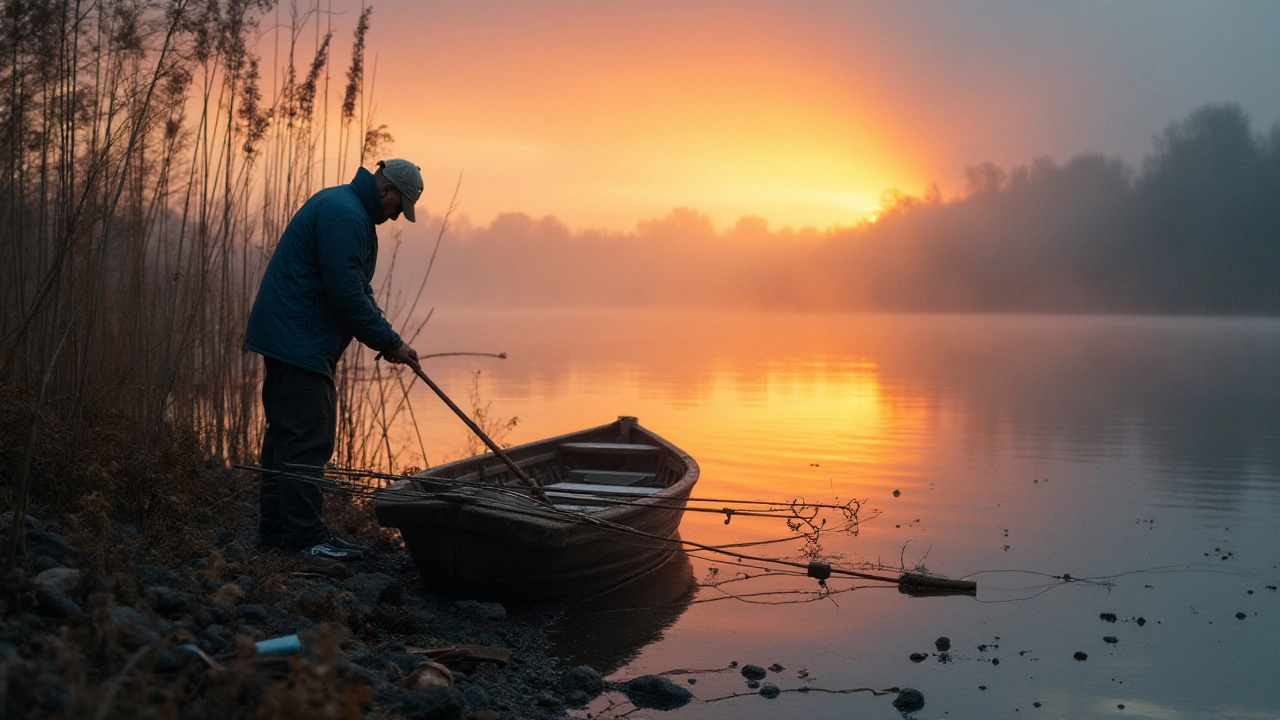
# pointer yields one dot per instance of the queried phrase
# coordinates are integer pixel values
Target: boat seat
(579, 488)
(610, 448)
(611, 477)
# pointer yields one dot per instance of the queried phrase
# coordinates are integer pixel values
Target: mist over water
(1193, 230)
(1094, 446)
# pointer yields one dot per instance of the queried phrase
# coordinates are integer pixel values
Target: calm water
(1142, 451)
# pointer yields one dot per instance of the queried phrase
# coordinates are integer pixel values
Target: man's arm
(342, 272)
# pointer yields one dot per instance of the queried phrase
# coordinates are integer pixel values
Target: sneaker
(336, 541)
(327, 550)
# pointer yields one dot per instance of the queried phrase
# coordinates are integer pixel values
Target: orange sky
(605, 113)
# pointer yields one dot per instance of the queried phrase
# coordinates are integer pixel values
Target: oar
(515, 469)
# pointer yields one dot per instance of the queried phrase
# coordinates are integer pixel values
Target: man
(314, 296)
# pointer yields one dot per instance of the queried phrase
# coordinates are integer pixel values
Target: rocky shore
(87, 634)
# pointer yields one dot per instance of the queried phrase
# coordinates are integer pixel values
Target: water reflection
(1198, 397)
(609, 630)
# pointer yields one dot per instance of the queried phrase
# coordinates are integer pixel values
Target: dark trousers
(301, 408)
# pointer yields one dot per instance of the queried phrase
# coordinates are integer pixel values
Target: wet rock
(477, 698)
(909, 700)
(753, 672)
(167, 601)
(375, 588)
(1141, 621)
(215, 638)
(581, 683)
(943, 644)
(656, 692)
(62, 578)
(1110, 639)
(130, 627)
(1240, 616)
(769, 690)
(55, 603)
(776, 667)
(156, 575)
(1107, 617)
(488, 611)
(1035, 704)
(1080, 656)
(918, 657)
(253, 614)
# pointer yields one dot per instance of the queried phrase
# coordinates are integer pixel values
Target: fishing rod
(911, 582)
(794, 509)
(852, 506)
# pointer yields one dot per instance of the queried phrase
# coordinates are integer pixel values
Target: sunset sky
(605, 113)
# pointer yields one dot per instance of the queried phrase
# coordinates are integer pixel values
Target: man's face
(392, 203)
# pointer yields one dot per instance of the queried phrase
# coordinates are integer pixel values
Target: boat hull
(488, 545)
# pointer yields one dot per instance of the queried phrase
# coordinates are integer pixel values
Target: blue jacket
(315, 294)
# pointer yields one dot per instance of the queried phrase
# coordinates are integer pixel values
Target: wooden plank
(611, 448)
(611, 477)
(600, 489)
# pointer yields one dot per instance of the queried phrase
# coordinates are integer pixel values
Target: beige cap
(407, 178)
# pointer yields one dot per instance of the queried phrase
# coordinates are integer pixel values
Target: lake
(1139, 456)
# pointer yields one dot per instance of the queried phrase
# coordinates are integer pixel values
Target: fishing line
(595, 521)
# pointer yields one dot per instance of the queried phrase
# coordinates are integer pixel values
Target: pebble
(776, 667)
(1080, 656)
(64, 579)
(55, 603)
(943, 644)
(1108, 617)
(909, 700)
(753, 672)
(918, 657)
(1110, 639)
(656, 692)
(376, 588)
(769, 690)
(1240, 616)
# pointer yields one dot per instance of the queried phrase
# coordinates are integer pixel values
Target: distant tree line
(1196, 230)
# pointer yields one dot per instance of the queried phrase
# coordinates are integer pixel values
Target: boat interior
(584, 471)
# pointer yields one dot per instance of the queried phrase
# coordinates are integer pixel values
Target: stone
(167, 601)
(1107, 617)
(1110, 639)
(156, 575)
(488, 611)
(918, 657)
(62, 578)
(1080, 656)
(375, 588)
(581, 678)
(776, 667)
(909, 700)
(216, 638)
(55, 603)
(769, 690)
(253, 614)
(656, 692)
(436, 703)
(943, 644)
(753, 672)
(1240, 616)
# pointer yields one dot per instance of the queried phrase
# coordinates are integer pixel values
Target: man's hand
(403, 355)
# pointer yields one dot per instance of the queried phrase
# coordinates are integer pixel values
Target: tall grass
(148, 164)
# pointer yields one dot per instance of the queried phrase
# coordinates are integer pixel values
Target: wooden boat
(618, 493)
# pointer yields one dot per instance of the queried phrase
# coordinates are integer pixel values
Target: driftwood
(466, 657)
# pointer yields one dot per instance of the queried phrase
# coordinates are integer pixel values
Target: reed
(149, 161)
